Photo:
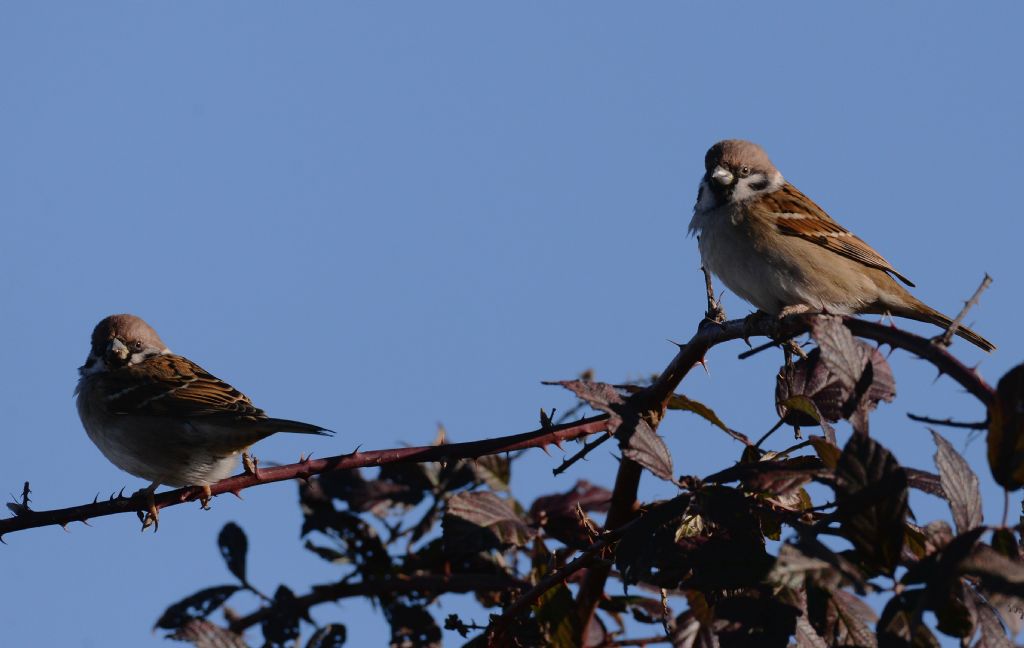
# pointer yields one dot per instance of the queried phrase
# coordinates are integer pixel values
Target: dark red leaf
(281, 627)
(478, 521)
(1006, 430)
(925, 482)
(557, 515)
(901, 625)
(641, 444)
(960, 485)
(843, 378)
(197, 606)
(233, 547)
(871, 498)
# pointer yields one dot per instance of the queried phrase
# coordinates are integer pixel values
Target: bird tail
(925, 313)
(286, 425)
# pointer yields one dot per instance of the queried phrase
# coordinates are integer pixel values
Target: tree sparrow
(771, 245)
(162, 417)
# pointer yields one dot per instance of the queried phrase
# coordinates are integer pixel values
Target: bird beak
(117, 347)
(722, 176)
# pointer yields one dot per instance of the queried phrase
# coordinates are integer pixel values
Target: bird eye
(137, 345)
(744, 171)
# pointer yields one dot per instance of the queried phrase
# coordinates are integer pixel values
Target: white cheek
(745, 191)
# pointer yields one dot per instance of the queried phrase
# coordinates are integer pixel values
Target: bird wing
(797, 215)
(174, 386)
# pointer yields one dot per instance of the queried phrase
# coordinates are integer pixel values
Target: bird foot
(205, 496)
(151, 518)
(251, 465)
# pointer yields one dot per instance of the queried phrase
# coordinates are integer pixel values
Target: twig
(304, 469)
(580, 454)
(947, 337)
(948, 422)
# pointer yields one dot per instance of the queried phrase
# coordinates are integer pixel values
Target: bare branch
(948, 422)
(947, 337)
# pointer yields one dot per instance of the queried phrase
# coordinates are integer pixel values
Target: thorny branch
(307, 467)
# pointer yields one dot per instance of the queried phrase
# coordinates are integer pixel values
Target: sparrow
(774, 247)
(162, 417)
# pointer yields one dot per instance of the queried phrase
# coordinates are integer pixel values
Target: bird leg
(250, 464)
(715, 314)
(205, 496)
(152, 516)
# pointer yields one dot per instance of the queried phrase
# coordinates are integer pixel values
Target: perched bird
(774, 247)
(162, 417)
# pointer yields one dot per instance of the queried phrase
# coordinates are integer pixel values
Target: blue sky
(378, 217)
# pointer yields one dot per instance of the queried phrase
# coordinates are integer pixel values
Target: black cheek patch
(760, 185)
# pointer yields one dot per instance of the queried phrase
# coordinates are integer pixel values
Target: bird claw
(151, 518)
(206, 494)
(251, 465)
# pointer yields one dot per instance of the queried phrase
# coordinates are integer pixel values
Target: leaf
(1006, 430)
(960, 485)
(233, 547)
(775, 476)
(640, 444)
(680, 402)
(558, 516)
(826, 450)
(637, 439)
(601, 396)
(925, 482)
(997, 572)
(844, 378)
(203, 634)
(332, 635)
(412, 626)
(898, 627)
(688, 631)
(281, 626)
(557, 617)
(754, 619)
(840, 618)
(839, 350)
(478, 521)
(643, 609)
(493, 470)
(793, 567)
(197, 606)
(871, 498)
(993, 634)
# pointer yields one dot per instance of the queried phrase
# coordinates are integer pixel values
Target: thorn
(121, 493)
(237, 494)
(545, 449)
(64, 525)
(96, 499)
(703, 362)
(2, 539)
(85, 521)
(670, 341)
(558, 444)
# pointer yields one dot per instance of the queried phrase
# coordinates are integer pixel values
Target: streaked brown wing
(797, 215)
(174, 386)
